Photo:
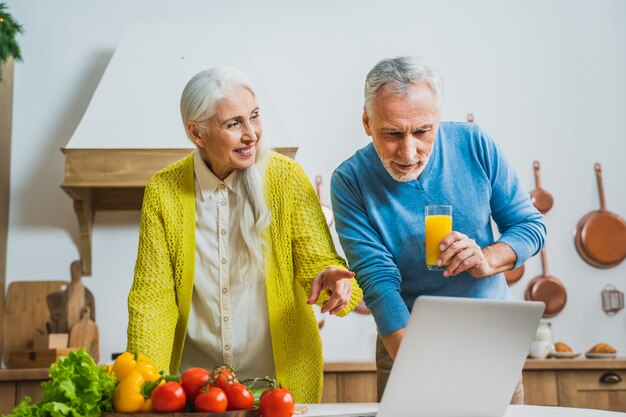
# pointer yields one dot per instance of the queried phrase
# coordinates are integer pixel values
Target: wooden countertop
(21, 374)
(530, 365)
(350, 366)
(582, 363)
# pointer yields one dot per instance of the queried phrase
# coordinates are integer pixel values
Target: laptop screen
(460, 357)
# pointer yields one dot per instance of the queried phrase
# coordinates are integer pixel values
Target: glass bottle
(544, 332)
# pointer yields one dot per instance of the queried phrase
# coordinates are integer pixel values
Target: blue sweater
(380, 221)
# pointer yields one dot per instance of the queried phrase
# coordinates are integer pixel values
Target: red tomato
(276, 402)
(239, 397)
(223, 377)
(211, 401)
(193, 381)
(168, 398)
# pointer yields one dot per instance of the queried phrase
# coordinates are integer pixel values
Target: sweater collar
(433, 159)
(207, 180)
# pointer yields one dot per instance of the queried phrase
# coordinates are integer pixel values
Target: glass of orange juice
(438, 224)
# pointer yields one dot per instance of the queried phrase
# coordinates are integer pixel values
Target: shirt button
(223, 231)
(224, 261)
(222, 186)
(226, 319)
(224, 290)
(223, 202)
(227, 347)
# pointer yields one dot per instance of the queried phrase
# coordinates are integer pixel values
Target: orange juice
(438, 226)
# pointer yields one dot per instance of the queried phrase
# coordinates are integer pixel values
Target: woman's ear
(193, 129)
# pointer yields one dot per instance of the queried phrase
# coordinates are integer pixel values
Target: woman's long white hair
(197, 103)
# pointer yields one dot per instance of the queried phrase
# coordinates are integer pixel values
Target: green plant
(9, 28)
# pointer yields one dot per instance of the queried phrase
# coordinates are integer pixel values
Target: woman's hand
(338, 284)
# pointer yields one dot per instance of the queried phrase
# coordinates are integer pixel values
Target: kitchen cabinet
(349, 382)
(579, 383)
(15, 384)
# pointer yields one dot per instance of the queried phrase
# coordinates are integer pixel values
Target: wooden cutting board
(74, 296)
(298, 409)
(84, 334)
(255, 412)
(25, 311)
(70, 302)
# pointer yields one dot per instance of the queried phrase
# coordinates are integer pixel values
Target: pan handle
(544, 262)
(598, 169)
(318, 187)
(537, 176)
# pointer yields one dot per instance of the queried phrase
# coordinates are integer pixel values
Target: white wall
(546, 78)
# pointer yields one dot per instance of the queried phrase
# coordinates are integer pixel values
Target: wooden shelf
(571, 364)
(113, 179)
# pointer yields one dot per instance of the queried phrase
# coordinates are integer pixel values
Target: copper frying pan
(600, 236)
(328, 212)
(548, 289)
(514, 275)
(541, 199)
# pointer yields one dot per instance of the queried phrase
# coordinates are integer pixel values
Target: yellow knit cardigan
(299, 246)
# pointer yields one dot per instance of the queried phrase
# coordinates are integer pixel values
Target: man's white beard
(405, 177)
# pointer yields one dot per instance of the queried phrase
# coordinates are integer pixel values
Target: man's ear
(194, 134)
(366, 123)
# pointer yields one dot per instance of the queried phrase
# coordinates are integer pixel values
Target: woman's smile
(246, 151)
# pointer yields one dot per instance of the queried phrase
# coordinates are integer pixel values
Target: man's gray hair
(397, 75)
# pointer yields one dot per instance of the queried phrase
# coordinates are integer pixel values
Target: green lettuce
(77, 387)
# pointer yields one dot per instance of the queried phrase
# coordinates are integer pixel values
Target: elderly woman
(233, 249)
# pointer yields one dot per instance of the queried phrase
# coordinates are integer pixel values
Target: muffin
(562, 347)
(602, 348)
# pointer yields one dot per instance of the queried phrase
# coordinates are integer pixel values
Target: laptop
(460, 357)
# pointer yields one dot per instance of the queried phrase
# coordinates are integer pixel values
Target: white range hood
(132, 126)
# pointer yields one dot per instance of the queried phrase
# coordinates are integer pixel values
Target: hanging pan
(548, 289)
(514, 275)
(600, 236)
(541, 198)
(328, 212)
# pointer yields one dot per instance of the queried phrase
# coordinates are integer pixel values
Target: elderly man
(379, 195)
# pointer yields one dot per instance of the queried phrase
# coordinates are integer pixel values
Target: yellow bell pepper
(147, 406)
(132, 396)
(127, 362)
(127, 397)
(133, 371)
